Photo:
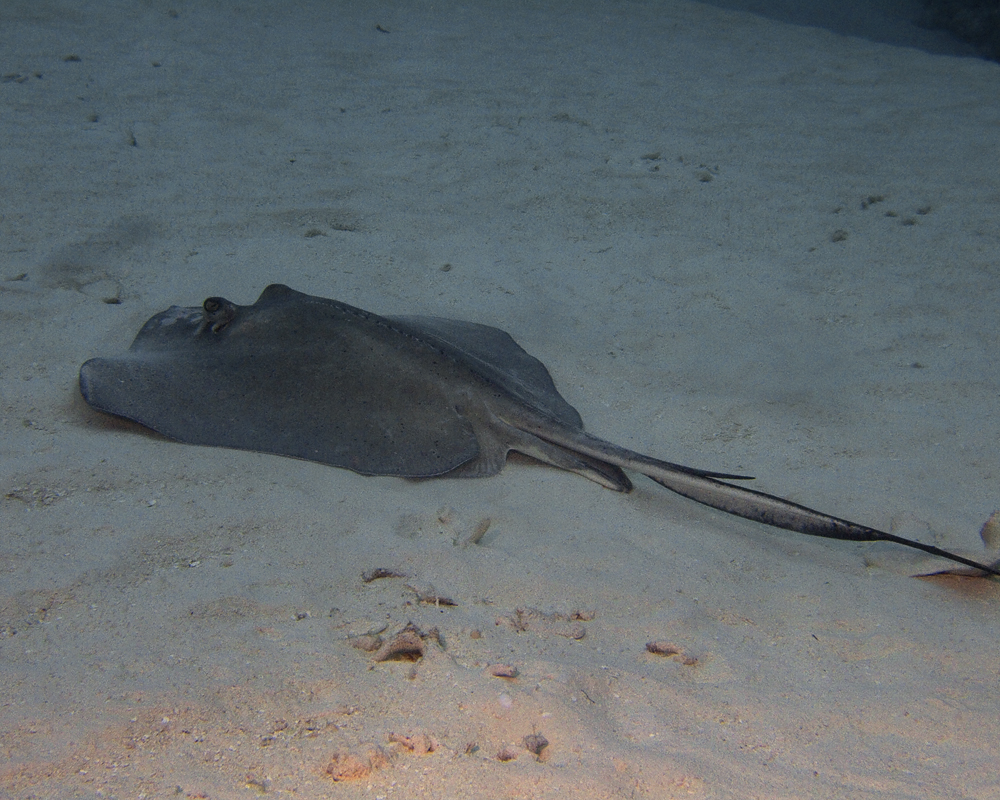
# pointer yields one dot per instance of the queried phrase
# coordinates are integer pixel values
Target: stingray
(408, 396)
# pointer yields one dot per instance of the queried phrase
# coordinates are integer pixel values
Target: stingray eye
(219, 312)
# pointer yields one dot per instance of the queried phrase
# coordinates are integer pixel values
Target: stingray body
(415, 397)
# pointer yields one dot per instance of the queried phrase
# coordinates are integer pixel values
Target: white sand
(647, 195)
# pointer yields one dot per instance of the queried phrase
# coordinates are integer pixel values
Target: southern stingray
(415, 397)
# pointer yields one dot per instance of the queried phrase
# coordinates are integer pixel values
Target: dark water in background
(944, 27)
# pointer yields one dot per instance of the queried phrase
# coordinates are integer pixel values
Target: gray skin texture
(414, 397)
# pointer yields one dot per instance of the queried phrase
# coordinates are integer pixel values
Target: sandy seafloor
(736, 243)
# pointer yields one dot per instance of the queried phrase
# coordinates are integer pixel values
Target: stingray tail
(781, 513)
(708, 489)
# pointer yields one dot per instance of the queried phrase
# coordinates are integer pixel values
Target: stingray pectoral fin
(781, 513)
(286, 404)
